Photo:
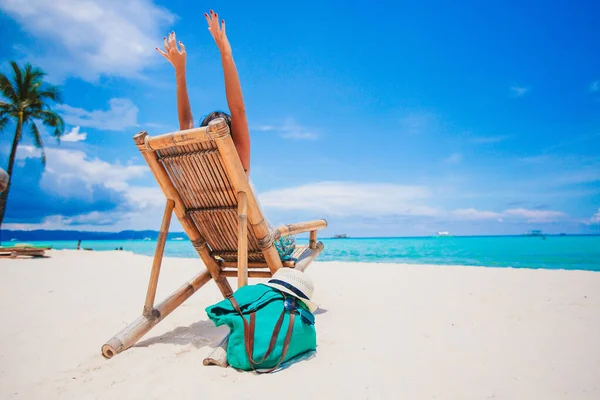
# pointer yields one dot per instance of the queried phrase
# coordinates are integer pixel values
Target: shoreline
(353, 262)
(383, 331)
(568, 253)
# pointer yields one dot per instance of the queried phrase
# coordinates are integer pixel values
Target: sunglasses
(289, 304)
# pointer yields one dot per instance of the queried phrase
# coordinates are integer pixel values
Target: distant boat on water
(147, 239)
(443, 234)
(178, 238)
(340, 236)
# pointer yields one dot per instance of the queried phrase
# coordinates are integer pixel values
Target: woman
(237, 121)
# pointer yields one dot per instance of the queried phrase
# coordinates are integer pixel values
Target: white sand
(389, 332)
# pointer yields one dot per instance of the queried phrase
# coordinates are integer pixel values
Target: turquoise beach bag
(267, 327)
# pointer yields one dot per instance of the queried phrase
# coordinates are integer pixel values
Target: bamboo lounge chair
(203, 180)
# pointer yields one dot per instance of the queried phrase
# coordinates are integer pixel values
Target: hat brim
(312, 306)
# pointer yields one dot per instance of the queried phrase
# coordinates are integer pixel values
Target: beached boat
(23, 250)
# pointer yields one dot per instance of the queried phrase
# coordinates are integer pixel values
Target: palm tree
(28, 101)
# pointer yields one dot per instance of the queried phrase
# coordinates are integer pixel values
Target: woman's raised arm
(233, 90)
(177, 58)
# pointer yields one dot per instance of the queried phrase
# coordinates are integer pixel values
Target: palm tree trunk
(11, 162)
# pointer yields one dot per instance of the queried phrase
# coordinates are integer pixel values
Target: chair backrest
(204, 176)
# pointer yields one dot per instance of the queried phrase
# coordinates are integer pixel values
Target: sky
(395, 118)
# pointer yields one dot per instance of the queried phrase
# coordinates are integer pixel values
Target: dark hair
(215, 115)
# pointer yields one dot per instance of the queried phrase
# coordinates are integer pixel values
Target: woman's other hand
(175, 56)
(218, 32)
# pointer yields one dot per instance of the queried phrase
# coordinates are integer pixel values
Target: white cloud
(386, 199)
(474, 214)
(89, 221)
(24, 152)
(535, 215)
(520, 214)
(145, 196)
(519, 91)
(453, 158)
(73, 169)
(92, 218)
(290, 130)
(595, 86)
(122, 113)
(596, 218)
(93, 37)
(74, 135)
(73, 174)
(347, 198)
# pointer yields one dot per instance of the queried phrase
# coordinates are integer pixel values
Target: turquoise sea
(551, 252)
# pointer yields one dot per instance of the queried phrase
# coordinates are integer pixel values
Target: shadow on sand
(198, 334)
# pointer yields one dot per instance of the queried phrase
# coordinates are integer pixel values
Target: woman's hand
(218, 33)
(175, 56)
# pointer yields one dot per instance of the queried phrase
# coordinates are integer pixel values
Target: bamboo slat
(158, 255)
(232, 273)
(178, 138)
(242, 241)
(232, 255)
(251, 264)
(294, 229)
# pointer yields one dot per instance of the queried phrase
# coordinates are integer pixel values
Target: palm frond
(34, 131)
(7, 89)
(32, 81)
(18, 79)
(51, 119)
(3, 121)
(51, 92)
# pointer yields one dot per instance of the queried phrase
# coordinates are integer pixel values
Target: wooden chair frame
(250, 221)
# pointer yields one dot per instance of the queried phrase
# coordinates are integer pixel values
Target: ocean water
(553, 252)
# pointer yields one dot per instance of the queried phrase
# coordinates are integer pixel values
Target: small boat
(443, 234)
(147, 239)
(178, 238)
(340, 236)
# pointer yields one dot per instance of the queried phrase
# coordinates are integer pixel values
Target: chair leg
(134, 331)
(242, 240)
(158, 255)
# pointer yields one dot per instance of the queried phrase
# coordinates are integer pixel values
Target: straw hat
(295, 283)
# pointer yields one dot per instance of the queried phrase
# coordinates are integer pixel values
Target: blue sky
(386, 118)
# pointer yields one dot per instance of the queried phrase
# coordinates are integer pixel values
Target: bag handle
(249, 335)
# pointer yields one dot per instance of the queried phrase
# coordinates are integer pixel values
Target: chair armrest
(301, 227)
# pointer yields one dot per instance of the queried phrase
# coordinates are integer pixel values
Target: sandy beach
(385, 331)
